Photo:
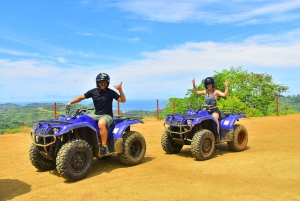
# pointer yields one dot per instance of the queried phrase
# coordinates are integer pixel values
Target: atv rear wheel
(133, 148)
(203, 145)
(168, 145)
(39, 161)
(240, 138)
(74, 160)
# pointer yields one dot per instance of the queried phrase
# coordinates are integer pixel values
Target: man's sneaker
(103, 150)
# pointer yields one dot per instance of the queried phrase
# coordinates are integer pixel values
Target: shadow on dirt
(220, 150)
(104, 165)
(107, 165)
(11, 188)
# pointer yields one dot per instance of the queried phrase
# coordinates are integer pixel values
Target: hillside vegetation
(250, 93)
(15, 118)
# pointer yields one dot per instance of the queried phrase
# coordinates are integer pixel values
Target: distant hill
(12, 106)
(294, 101)
(13, 116)
(9, 106)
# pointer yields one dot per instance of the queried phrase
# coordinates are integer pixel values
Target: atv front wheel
(39, 161)
(169, 145)
(74, 160)
(240, 138)
(133, 149)
(203, 145)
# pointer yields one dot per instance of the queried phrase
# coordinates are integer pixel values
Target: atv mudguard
(197, 117)
(228, 122)
(120, 126)
(67, 124)
(79, 121)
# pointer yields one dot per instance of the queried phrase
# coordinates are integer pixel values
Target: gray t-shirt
(210, 100)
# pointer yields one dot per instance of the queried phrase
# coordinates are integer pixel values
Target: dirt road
(269, 169)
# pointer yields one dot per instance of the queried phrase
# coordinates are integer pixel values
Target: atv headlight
(55, 130)
(169, 120)
(189, 121)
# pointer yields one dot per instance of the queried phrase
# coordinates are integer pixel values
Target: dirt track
(267, 170)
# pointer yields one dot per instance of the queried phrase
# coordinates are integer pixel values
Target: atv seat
(115, 121)
(222, 115)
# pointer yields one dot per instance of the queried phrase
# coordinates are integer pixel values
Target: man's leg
(103, 131)
(103, 123)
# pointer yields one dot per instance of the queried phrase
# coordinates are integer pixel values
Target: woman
(211, 96)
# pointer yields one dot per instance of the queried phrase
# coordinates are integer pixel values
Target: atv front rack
(42, 139)
(37, 138)
(187, 128)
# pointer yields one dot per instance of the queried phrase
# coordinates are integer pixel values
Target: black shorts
(214, 110)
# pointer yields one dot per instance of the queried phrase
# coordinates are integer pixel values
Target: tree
(256, 91)
(251, 93)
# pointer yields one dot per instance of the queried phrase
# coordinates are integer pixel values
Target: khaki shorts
(105, 117)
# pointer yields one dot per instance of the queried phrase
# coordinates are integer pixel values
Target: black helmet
(209, 80)
(102, 77)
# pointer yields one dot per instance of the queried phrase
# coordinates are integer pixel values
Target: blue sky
(53, 50)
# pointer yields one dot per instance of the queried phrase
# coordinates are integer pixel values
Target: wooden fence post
(119, 108)
(277, 107)
(173, 106)
(54, 110)
(157, 112)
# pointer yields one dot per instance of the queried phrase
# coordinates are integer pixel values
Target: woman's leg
(216, 116)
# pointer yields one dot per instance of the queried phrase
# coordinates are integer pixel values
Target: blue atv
(199, 129)
(71, 141)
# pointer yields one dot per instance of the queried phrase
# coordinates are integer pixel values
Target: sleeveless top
(210, 100)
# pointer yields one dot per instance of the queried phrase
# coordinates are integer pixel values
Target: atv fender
(207, 122)
(69, 127)
(123, 126)
(79, 121)
(205, 118)
(228, 122)
(119, 130)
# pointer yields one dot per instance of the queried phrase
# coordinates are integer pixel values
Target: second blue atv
(199, 129)
(70, 142)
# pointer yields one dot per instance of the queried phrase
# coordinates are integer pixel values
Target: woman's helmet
(102, 77)
(209, 80)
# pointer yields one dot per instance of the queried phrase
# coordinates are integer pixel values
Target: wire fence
(14, 117)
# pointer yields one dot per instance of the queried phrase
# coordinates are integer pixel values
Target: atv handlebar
(190, 106)
(206, 107)
(78, 111)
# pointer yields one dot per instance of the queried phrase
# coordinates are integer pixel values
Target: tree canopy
(250, 93)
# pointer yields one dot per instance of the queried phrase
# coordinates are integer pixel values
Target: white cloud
(288, 37)
(138, 29)
(134, 39)
(164, 73)
(61, 60)
(18, 53)
(217, 11)
(30, 79)
(84, 34)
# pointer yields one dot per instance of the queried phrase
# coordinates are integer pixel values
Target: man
(102, 98)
